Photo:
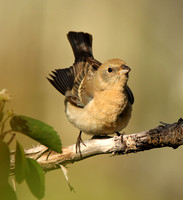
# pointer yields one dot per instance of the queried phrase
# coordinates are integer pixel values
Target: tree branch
(166, 135)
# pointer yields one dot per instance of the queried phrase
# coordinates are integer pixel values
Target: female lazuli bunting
(98, 100)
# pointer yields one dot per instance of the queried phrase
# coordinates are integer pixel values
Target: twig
(170, 135)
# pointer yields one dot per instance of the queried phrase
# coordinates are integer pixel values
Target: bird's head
(112, 73)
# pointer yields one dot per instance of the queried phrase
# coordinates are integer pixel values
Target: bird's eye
(109, 70)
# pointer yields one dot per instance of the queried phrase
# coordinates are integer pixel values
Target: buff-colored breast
(107, 113)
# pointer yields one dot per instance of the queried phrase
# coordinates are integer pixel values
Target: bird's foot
(121, 134)
(78, 144)
(118, 134)
(47, 150)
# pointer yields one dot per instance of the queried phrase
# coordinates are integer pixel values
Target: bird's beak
(125, 69)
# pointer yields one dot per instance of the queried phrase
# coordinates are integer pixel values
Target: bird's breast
(108, 112)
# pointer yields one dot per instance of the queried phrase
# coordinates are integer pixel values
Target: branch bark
(166, 135)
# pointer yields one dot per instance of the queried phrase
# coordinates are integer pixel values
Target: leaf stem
(3, 125)
(6, 132)
(12, 137)
(2, 103)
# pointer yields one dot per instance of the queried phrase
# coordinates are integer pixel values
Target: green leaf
(7, 192)
(20, 163)
(37, 130)
(4, 162)
(35, 178)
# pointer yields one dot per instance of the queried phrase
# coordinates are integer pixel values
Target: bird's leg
(43, 152)
(121, 134)
(50, 151)
(118, 134)
(78, 144)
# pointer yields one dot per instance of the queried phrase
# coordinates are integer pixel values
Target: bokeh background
(148, 35)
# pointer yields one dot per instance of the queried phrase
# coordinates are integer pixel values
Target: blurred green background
(148, 35)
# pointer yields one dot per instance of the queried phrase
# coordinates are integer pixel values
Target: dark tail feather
(81, 44)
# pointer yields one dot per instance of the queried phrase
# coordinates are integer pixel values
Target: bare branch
(166, 135)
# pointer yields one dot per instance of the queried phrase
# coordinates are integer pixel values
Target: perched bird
(98, 100)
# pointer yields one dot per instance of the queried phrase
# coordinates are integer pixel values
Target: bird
(98, 100)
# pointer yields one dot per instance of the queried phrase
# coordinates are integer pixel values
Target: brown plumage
(98, 99)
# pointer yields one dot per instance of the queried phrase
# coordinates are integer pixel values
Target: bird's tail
(81, 44)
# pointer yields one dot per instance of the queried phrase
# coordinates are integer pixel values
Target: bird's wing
(72, 82)
(62, 79)
(82, 87)
(130, 95)
(75, 82)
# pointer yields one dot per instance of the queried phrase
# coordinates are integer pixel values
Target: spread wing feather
(71, 81)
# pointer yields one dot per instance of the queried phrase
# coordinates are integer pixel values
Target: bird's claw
(78, 144)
